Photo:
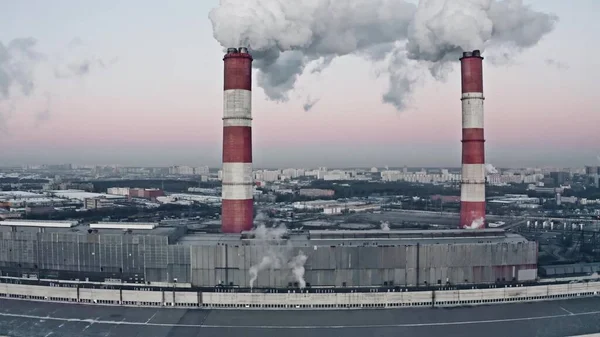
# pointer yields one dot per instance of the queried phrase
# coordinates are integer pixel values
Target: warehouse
(265, 258)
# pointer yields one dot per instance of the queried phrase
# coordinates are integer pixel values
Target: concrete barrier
(298, 299)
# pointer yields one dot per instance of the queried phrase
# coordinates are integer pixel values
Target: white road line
(149, 319)
(298, 327)
(570, 313)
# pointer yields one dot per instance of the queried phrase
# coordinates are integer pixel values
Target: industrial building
(149, 253)
(243, 257)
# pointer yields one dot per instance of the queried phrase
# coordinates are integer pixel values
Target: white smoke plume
(490, 169)
(285, 36)
(297, 267)
(476, 224)
(385, 226)
(275, 252)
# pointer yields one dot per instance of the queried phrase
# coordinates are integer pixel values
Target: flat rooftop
(362, 238)
(86, 229)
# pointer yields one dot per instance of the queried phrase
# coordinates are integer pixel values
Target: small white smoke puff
(490, 169)
(476, 224)
(385, 226)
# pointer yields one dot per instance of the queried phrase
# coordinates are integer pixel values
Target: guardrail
(298, 300)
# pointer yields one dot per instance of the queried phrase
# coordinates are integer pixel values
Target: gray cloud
(77, 62)
(310, 103)
(18, 59)
(558, 64)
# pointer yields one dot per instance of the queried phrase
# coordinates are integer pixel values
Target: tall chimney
(237, 204)
(472, 191)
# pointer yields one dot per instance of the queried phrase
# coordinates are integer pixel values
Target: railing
(298, 300)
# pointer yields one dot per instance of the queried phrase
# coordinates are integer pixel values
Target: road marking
(570, 313)
(298, 327)
(149, 319)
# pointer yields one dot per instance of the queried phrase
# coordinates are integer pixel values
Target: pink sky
(161, 104)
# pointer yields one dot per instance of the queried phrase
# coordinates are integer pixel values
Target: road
(551, 318)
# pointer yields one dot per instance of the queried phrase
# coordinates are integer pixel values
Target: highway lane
(551, 318)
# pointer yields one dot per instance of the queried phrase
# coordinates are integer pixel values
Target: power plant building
(344, 258)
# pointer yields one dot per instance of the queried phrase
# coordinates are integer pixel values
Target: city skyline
(153, 96)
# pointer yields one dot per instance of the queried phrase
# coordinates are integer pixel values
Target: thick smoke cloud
(286, 36)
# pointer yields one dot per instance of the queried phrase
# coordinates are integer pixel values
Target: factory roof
(33, 200)
(124, 225)
(82, 195)
(363, 238)
(86, 229)
(39, 224)
(570, 269)
(19, 194)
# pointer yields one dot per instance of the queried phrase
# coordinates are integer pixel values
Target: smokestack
(237, 205)
(472, 191)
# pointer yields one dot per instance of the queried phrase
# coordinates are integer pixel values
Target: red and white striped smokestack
(472, 192)
(237, 204)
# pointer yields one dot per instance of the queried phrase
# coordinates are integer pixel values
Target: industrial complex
(247, 257)
(241, 257)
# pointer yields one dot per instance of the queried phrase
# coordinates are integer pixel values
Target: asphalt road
(551, 318)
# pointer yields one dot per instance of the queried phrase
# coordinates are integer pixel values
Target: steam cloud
(385, 226)
(276, 252)
(286, 36)
(476, 224)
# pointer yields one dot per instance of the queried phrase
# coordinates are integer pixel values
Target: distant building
(560, 177)
(316, 192)
(188, 170)
(39, 210)
(118, 191)
(146, 193)
(445, 198)
(592, 170)
(96, 203)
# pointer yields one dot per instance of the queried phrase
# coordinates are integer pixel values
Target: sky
(153, 96)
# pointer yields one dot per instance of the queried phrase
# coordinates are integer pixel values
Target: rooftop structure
(36, 223)
(359, 238)
(124, 225)
(82, 195)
